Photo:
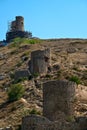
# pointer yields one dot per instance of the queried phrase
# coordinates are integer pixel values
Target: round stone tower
(19, 23)
(58, 97)
(40, 61)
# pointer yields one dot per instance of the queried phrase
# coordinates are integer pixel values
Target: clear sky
(47, 18)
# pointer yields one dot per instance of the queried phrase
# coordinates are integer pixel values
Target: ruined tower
(58, 97)
(40, 61)
(16, 29)
(19, 23)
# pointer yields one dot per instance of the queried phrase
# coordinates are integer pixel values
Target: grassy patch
(18, 41)
(32, 111)
(75, 79)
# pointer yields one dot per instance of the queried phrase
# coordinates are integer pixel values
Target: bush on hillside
(15, 92)
(75, 79)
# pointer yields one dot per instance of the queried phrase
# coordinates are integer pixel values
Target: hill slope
(70, 56)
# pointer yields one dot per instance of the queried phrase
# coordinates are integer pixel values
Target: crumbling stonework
(34, 122)
(21, 74)
(40, 61)
(16, 29)
(58, 96)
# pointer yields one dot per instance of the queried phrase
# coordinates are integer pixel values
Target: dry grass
(70, 64)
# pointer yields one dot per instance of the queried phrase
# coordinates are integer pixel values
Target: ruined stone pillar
(58, 96)
(40, 61)
(35, 122)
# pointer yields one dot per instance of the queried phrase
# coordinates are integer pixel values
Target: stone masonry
(16, 29)
(58, 96)
(21, 74)
(40, 61)
(34, 122)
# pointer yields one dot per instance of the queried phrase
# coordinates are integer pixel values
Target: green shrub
(75, 79)
(15, 92)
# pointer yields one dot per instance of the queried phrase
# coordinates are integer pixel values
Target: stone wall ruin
(40, 61)
(35, 122)
(16, 29)
(58, 96)
(19, 74)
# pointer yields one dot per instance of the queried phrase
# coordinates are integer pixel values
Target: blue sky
(47, 18)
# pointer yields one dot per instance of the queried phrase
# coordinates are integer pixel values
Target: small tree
(15, 92)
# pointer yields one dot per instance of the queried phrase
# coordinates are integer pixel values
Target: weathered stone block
(40, 61)
(35, 122)
(58, 96)
(21, 74)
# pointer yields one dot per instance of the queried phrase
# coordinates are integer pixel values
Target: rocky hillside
(68, 61)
